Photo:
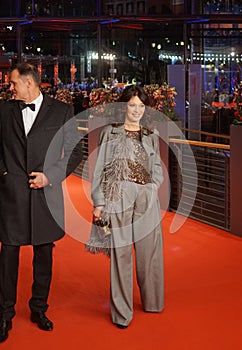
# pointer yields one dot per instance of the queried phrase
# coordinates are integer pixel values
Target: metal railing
(83, 170)
(202, 191)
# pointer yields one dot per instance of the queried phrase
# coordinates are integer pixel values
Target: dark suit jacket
(29, 216)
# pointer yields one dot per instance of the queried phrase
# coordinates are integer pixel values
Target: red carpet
(203, 299)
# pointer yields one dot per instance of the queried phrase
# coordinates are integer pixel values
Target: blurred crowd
(79, 98)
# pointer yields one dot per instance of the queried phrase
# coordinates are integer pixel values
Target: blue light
(201, 20)
(110, 21)
(27, 22)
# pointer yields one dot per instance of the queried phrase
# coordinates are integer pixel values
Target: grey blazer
(150, 142)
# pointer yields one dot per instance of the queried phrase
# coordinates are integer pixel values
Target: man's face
(18, 86)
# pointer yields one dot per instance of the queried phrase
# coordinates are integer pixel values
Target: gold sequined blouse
(139, 167)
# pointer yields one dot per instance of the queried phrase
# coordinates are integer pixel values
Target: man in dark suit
(39, 148)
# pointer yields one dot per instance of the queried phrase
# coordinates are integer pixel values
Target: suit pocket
(3, 178)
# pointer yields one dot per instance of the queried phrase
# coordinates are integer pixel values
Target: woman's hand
(97, 212)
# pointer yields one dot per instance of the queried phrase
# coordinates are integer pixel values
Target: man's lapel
(17, 115)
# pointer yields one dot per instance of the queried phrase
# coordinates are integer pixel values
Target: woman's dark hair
(26, 69)
(134, 90)
(131, 91)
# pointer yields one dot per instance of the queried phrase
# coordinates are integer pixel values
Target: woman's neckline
(134, 128)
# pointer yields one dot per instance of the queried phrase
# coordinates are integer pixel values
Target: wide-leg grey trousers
(136, 219)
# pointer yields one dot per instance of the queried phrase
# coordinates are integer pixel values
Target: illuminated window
(140, 7)
(120, 10)
(130, 8)
(110, 9)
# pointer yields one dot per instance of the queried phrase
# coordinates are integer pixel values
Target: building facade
(133, 38)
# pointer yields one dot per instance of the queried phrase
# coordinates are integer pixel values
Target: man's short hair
(26, 69)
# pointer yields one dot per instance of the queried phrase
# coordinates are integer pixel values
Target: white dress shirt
(29, 115)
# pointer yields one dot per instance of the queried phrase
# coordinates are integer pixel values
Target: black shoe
(121, 326)
(42, 321)
(5, 326)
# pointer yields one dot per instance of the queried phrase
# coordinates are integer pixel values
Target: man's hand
(38, 180)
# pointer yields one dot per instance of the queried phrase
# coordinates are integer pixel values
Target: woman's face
(135, 110)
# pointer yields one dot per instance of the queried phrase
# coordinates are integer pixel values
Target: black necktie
(25, 105)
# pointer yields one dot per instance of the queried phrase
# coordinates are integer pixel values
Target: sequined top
(139, 166)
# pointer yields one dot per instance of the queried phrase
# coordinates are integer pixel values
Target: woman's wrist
(97, 211)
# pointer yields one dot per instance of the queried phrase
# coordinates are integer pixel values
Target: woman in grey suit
(125, 183)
